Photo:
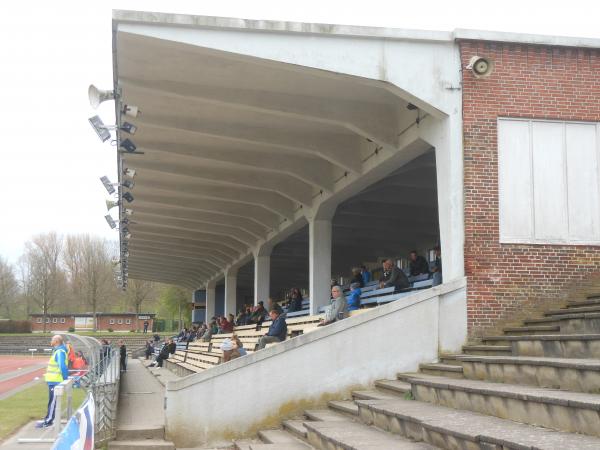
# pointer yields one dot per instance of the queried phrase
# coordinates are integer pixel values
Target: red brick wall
(69, 322)
(508, 281)
(103, 323)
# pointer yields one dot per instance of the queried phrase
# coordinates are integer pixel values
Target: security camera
(480, 66)
(131, 110)
(129, 212)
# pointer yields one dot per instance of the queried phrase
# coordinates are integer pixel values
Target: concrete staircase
(535, 387)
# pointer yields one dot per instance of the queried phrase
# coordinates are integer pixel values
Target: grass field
(29, 404)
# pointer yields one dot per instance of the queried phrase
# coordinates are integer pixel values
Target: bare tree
(139, 291)
(9, 287)
(88, 262)
(44, 276)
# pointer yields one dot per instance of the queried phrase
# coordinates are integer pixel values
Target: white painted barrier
(259, 390)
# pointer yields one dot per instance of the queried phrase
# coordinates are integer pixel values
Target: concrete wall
(510, 280)
(259, 390)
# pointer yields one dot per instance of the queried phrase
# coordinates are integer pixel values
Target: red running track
(12, 366)
(12, 363)
(15, 382)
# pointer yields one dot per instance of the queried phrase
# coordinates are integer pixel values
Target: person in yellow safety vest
(56, 373)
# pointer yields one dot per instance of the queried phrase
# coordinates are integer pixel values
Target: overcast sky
(50, 158)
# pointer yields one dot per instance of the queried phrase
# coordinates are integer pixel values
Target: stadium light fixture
(111, 222)
(128, 184)
(101, 130)
(129, 128)
(107, 185)
(127, 196)
(128, 146)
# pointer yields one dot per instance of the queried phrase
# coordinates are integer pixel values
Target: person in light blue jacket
(56, 373)
(354, 297)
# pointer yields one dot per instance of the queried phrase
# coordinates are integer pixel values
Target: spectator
(56, 372)
(334, 282)
(354, 297)
(238, 345)
(146, 323)
(228, 349)
(417, 265)
(123, 355)
(273, 305)
(258, 315)
(295, 303)
(70, 354)
(210, 330)
(437, 267)
(79, 365)
(393, 276)
(226, 326)
(277, 331)
(240, 320)
(357, 277)
(169, 348)
(337, 309)
(156, 337)
(149, 349)
(365, 274)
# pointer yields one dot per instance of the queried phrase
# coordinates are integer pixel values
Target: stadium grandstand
(268, 156)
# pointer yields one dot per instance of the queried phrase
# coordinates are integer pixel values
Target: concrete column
(230, 292)
(210, 300)
(319, 263)
(262, 278)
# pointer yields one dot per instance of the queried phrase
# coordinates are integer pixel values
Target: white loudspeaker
(480, 66)
(97, 96)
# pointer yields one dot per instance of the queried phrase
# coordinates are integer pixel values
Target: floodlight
(110, 221)
(127, 196)
(129, 212)
(110, 204)
(128, 184)
(129, 172)
(128, 146)
(107, 184)
(128, 128)
(131, 110)
(97, 96)
(99, 127)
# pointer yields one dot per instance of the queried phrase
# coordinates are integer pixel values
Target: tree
(174, 300)
(9, 287)
(44, 276)
(88, 262)
(137, 292)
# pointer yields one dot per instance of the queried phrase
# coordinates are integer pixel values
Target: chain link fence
(102, 379)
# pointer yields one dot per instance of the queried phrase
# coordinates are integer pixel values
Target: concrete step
(151, 444)
(579, 375)
(487, 349)
(455, 429)
(327, 415)
(369, 394)
(295, 427)
(534, 329)
(393, 386)
(552, 345)
(573, 310)
(346, 407)
(560, 410)
(444, 370)
(277, 437)
(133, 434)
(279, 446)
(356, 436)
(591, 301)
(449, 358)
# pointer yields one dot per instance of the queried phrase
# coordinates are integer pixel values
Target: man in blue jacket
(56, 373)
(277, 331)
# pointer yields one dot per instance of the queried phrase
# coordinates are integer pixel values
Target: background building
(85, 322)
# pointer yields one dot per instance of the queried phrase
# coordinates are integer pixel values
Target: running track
(15, 371)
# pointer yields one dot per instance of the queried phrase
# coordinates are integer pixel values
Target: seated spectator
(357, 277)
(259, 313)
(295, 303)
(437, 267)
(365, 274)
(393, 276)
(226, 325)
(210, 330)
(156, 337)
(273, 305)
(228, 349)
(277, 331)
(149, 349)
(169, 348)
(417, 264)
(337, 309)
(354, 297)
(79, 365)
(238, 345)
(240, 320)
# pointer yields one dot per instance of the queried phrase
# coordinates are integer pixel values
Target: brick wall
(509, 281)
(103, 323)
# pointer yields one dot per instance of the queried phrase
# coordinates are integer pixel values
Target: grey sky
(50, 158)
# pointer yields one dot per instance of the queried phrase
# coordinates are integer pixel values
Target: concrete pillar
(230, 292)
(210, 300)
(262, 278)
(319, 231)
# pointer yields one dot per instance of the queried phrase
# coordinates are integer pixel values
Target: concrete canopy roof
(244, 134)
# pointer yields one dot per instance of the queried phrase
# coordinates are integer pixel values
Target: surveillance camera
(480, 66)
(129, 212)
(131, 110)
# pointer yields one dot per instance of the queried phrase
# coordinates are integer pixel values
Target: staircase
(535, 387)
